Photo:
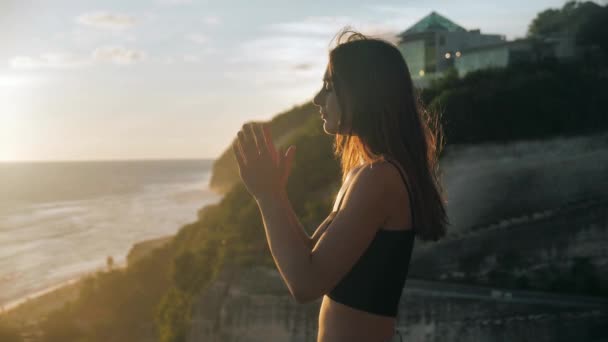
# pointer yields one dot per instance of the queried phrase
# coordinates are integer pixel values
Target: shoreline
(34, 306)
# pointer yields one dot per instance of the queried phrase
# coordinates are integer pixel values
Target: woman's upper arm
(323, 226)
(320, 230)
(352, 229)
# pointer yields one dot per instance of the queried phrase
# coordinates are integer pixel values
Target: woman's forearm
(299, 227)
(288, 243)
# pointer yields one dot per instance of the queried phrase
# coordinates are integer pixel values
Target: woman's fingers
(237, 154)
(261, 140)
(247, 142)
(248, 134)
(271, 148)
(242, 143)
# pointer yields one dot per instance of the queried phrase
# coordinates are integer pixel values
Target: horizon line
(96, 160)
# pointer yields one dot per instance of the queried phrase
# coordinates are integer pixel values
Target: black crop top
(376, 281)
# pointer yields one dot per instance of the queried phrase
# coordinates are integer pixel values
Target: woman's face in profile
(327, 102)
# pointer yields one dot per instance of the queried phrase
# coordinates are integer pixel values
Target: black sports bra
(376, 281)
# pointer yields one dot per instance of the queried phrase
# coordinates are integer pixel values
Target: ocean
(60, 220)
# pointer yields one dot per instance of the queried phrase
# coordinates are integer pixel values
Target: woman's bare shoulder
(379, 175)
(389, 176)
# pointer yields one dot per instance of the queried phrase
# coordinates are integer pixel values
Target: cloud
(168, 60)
(111, 54)
(13, 81)
(210, 50)
(106, 20)
(282, 49)
(303, 66)
(278, 77)
(191, 59)
(174, 2)
(294, 54)
(304, 42)
(317, 25)
(197, 57)
(197, 38)
(48, 60)
(410, 9)
(212, 20)
(117, 55)
(327, 27)
(275, 62)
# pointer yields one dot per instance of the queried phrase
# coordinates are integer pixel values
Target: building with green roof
(433, 22)
(431, 45)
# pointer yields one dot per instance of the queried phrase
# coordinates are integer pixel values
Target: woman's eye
(327, 86)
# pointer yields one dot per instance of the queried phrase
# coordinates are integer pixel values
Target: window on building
(441, 40)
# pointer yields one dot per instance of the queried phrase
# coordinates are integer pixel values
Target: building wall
(414, 54)
(481, 59)
(457, 41)
(425, 57)
(466, 40)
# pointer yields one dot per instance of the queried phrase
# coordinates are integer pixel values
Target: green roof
(434, 22)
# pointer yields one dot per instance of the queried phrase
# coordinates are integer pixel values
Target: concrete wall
(428, 311)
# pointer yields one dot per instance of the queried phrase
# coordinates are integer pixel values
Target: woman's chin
(328, 128)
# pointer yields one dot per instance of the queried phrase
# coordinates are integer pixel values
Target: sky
(176, 79)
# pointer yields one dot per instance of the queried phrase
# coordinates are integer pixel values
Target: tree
(595, 31)
(567, 19)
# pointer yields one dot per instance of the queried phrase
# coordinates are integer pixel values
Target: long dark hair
(374, 88)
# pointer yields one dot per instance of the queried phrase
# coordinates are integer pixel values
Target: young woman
(357, 260)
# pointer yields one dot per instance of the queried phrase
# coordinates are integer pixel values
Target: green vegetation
(586, 21)
(9, 333)
(119, 305)
(525, 101)
(571, 17)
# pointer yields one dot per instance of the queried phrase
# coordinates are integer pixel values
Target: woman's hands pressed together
(262, 168)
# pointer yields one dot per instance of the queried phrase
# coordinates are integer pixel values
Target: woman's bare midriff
(341, 323)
